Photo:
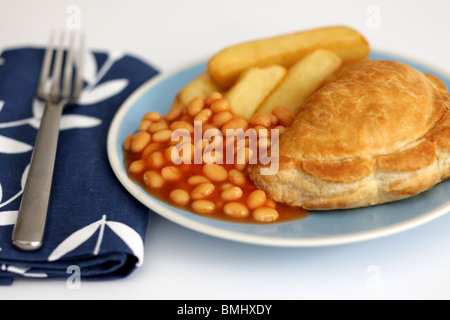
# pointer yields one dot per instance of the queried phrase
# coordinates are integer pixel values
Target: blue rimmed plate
(318, 229)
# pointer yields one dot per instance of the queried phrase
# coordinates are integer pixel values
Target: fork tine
(67, 80)
(54, 91)
(79, 71)
(45, 71)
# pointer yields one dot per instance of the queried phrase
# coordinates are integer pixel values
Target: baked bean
(185, 155)
(221, 118)
(180, 197)
(212, 157)
(244, 156)
(191, 150)
(186, 118)
(236, 209)
(145, 124)
(261, 119)
(262, 132)
(207, 126)
(256, 199)
(214, 135)
(153, 180)
(156, 159)
(215, 172)
(127, 142)
(152, 147)
(140, 141)
(137, 166)
(226, 185)
(232, 194)
(204, 143)
(220, 105)
(273, 119)
(263, 144)
(195, 106)
(270, 203)
(237, 177)
(196, 180)
(174, 113)
(157, 126)
(280, 129)
(213, 96)
(179, 140)
(168, 153)
(182, 125)
(203, 206)
(240, 166)
(203, 115)
(247, 142)
(202, 191)
(235, 124)
(284, 115)
(201, 144)
(153, 116)
(162, 136)
(265, 214)
(231, 143)
(171, 173)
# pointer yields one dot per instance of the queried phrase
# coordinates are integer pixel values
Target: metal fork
(29, 229)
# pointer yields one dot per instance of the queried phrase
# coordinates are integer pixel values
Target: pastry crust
(379, 133)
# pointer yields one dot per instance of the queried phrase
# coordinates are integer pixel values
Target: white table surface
(183, 264)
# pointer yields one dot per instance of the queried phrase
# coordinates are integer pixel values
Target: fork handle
(29, 229)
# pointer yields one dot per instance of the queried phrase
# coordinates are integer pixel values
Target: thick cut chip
(252, 88)
(303, 78)
(226, 66)
(201, 87)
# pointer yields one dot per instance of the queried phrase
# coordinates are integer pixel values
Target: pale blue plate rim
(319, 229)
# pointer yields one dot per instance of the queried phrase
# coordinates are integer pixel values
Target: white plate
(318, 229)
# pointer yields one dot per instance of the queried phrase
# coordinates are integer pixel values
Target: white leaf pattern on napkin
(38, 108)
(2, 103)
(103, 91)
(128, 235)
(11, 146)
(22, 187)
(132, 239)
(34, 122)
(8, 218)
(1, 193)
(23, 271)
(74, 240)
(24, 177)
(73, 121)
(113, 56)
(89, 67)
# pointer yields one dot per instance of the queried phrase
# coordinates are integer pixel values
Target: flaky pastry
(379, 133)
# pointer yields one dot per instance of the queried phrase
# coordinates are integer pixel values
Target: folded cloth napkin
(95, 229)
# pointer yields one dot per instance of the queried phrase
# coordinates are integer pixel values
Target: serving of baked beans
(209, 186)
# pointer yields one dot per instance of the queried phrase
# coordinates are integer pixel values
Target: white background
(183, 264)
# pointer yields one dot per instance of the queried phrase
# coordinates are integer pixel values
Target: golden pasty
(379, 133)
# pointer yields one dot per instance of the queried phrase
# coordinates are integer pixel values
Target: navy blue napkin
(95, 229)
